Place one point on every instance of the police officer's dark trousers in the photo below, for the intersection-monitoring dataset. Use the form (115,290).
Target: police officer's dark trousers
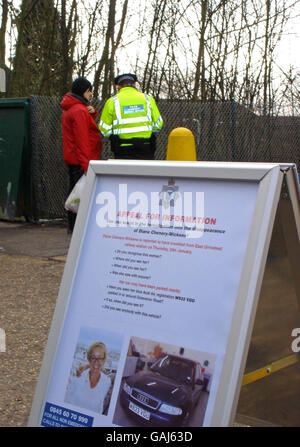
(134,148)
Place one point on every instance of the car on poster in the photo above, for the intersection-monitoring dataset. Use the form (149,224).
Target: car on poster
(167,394)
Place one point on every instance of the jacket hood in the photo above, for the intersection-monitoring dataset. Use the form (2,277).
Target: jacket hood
(70,99)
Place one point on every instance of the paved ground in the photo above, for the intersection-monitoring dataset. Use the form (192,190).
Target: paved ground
(31,266)
(276,398)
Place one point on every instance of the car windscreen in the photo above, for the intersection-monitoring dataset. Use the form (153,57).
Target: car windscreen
(173,368)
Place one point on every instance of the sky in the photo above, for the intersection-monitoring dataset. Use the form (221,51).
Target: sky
(288,50)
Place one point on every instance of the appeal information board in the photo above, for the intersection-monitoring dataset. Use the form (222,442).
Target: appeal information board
(150,302)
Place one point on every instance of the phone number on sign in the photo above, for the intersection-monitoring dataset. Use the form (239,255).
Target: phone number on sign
(68,414)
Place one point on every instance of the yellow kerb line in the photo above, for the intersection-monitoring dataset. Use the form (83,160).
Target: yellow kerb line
(269,369)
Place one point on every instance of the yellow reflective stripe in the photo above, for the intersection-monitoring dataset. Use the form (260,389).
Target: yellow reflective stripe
(105,126)
(121,120)
(138,119)
(157,122)
(105,129)
(117,109)
(145,119)
(148,107)
(132,129)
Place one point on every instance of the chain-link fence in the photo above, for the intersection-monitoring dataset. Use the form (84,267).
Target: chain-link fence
(223,131)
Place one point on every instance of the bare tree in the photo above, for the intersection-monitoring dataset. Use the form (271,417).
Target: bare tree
(106,62)
(68,28)
(208,50)
(289,100)
(37,65)
(3,28)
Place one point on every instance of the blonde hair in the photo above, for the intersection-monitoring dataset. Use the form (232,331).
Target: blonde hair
(97,344)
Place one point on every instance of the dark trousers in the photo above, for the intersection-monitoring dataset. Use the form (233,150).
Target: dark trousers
(75,172)
(139,149)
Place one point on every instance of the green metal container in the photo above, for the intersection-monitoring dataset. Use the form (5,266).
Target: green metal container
(15,178)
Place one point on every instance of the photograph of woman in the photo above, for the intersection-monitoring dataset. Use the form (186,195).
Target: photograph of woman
(91,385)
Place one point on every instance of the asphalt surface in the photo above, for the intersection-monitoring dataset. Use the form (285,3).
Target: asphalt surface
(32,259)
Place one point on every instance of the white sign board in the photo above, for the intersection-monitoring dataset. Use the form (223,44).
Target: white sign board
(158,296)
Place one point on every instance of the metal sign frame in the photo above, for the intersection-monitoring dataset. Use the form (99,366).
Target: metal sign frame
(268,177)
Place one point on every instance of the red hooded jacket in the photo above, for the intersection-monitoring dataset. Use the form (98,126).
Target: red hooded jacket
(81,136)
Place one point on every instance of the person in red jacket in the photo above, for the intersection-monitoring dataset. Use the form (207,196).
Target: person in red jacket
(81,136)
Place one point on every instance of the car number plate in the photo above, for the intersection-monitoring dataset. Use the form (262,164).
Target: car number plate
(140,411)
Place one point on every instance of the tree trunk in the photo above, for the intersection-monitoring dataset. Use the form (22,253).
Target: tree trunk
(200,66)
(3,31)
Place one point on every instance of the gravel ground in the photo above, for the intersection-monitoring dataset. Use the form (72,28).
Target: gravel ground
(31,266)
(29,287)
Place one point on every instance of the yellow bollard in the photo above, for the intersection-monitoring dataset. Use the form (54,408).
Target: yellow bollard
(181,145)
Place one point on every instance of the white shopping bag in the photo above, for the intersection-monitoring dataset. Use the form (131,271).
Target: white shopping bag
(73,201)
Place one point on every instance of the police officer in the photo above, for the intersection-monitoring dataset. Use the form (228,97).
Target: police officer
(130,119)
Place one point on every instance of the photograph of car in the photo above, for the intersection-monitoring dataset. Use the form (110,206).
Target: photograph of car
(165,395)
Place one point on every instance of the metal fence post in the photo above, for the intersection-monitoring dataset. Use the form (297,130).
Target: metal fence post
(34,156)
(233,130)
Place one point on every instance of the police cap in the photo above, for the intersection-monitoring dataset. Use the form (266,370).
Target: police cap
(125,77)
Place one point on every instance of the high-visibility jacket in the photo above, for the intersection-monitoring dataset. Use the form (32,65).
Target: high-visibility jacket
(130,114)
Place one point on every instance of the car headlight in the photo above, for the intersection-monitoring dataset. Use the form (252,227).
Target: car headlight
(126,388)
(169,409)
